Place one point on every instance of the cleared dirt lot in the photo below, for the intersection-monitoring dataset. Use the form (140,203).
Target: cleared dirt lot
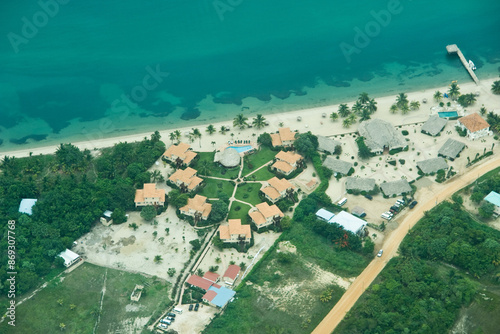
(120,247)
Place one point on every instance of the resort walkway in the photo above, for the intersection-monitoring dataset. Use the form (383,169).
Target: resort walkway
(391,246)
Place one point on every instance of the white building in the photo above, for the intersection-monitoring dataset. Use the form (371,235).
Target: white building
(475,125)
(69,257)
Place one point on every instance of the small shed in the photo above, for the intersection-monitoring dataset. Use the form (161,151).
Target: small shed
(337,166)
(26,205)
(69,257)
(434,125)
(358,211)
(324,214)
(451,149)
(395,187)
(432,165)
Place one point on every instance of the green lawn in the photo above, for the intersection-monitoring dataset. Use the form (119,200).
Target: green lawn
(263,155)
(249,192)
(216,170)
(241,213)
(82,288)
(213,188)
(262,174)
(263,307)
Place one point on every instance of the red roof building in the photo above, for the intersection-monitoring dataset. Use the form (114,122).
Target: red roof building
(199,282)
(212,277)
(231,274)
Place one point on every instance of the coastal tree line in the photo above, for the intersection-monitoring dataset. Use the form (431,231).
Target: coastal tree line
(73,188)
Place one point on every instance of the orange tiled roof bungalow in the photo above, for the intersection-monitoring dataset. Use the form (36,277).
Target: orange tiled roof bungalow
(234,232)
(149,195)
(186,178)
(285,137)
(181,151)
(286,162)
(475,125)
(197,205)
(277,189)
(264,214)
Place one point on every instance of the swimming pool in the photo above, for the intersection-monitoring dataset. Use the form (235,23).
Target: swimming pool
(447,114)
(241,149)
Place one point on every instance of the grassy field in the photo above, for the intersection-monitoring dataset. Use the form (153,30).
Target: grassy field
(262,174)
(254,161)
(242,213)
(75,299)
(281,296)
(213,188)
(249,192)
(215,169)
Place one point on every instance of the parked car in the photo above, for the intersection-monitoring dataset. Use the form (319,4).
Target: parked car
(370,197)
(380,252)
(170,319)
(165,321)
(170,314)
(412,204)
(190,307)
(162,326)
(196,307)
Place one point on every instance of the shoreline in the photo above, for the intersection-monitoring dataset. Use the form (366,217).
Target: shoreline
(312,120)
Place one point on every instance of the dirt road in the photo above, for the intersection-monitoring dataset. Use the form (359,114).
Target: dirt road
(391,245)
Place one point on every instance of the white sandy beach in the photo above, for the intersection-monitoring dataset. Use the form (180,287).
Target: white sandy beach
(312,120)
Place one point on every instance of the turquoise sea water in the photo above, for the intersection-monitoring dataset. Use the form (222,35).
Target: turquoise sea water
(65,79)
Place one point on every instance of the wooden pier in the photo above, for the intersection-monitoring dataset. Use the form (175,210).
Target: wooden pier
(453,48)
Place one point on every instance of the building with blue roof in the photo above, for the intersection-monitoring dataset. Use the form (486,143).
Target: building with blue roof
(218,295)
(494,198)
(27,205)
(324,214)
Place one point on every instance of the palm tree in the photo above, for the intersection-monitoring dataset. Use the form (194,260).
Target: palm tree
(344,110)
(334,116)
(211,129)
(363,98)
(454,90)
(223,130)
(196,134)
(483,110)
(414,105)
(172,137)
(158,259)
(372,106)
(240,121)
(346,123)
(357,107)
(393,109)
(178,135)
(401,100)
(438,96)
(352,118)
(156,175)
(259,121)
(205,167)
(470,98)
(405,109)
(495,87)
(365,114)
(62,326)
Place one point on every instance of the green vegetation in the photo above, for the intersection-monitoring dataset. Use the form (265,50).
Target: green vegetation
(466,100)
(240,121)
(254,161)
(419,292)
(148,213)
(73,190)
(494,122)
(238,211)
(363,151)
(262,174)
(495,87)
(484,185)
(306,144)
(75,301)
(249,192)
(215,169)
(213,188)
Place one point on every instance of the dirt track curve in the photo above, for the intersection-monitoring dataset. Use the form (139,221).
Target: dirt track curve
(391,245)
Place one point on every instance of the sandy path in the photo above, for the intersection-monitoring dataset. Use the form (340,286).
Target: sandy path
(363,281)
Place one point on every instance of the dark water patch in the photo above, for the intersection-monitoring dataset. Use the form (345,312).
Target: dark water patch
(59,104)
(25,139)
(281,94)
(191,113)
(1,142)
